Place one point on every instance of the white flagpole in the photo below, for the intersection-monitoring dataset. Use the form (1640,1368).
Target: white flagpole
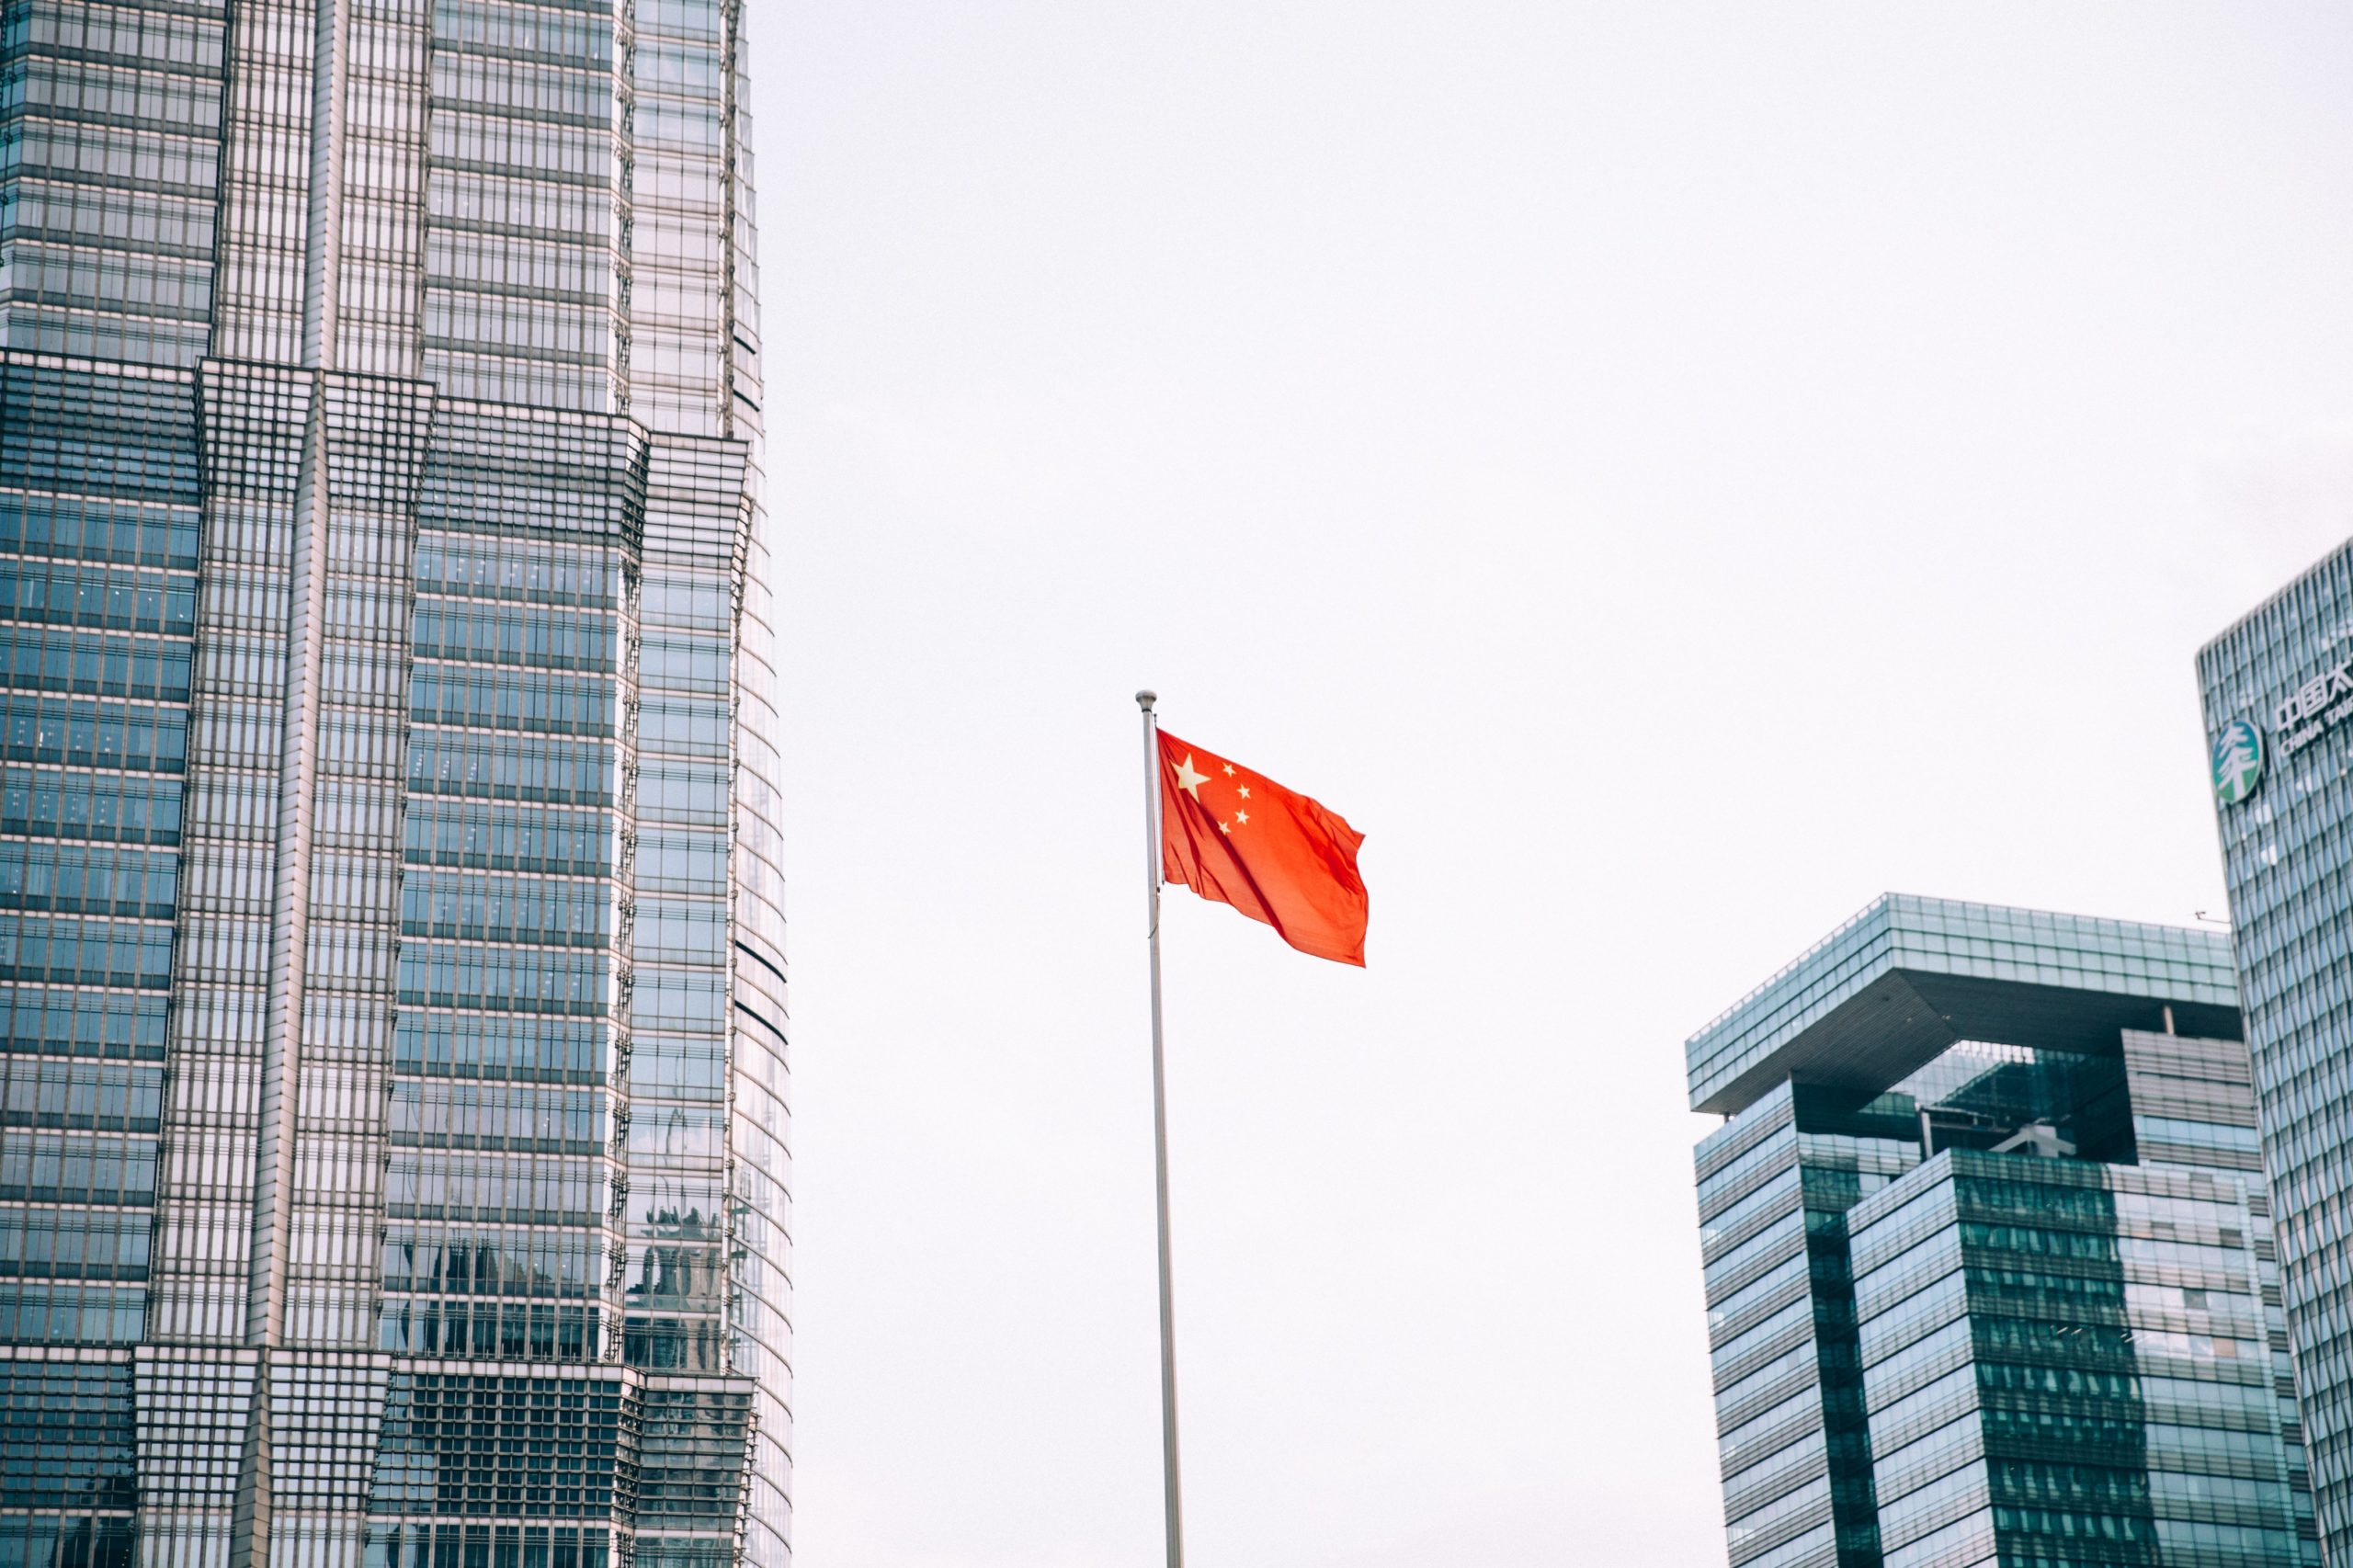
(1145,700)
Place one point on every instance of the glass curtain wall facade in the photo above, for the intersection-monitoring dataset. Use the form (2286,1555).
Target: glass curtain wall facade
(1989,1269)
(2274,687)
(393,1139)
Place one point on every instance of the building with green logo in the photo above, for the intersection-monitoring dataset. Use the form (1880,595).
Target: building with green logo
(2286,672)
(1988,1253)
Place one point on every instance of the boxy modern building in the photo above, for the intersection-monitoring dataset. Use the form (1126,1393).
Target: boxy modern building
(1988,1256)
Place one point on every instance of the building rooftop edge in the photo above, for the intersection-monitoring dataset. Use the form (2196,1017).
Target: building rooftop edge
(2001,957)
(2295,581)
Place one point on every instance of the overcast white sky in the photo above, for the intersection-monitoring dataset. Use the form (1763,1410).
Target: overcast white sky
(1666,473)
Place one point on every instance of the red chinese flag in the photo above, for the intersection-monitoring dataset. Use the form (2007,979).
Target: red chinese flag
(1242,839)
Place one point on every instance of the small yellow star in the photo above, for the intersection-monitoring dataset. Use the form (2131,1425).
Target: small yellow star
(1229,771)
(1242,816)
(1245,791)
(1225,830)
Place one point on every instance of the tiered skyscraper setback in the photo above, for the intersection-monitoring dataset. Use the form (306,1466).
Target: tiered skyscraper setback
(1988,1251)
(393,1065)
(2276,687)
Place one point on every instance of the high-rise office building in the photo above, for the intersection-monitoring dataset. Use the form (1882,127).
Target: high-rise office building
(2276,688)
(1988,1254)
(392,1095)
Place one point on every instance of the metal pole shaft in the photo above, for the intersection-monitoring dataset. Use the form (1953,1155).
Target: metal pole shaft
(1145,700)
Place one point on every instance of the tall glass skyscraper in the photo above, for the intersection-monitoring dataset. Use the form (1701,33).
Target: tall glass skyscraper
(1988,1254)
(393,1073)
(2276,687)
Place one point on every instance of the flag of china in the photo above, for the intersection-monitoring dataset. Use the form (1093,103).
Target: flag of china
(1241,838)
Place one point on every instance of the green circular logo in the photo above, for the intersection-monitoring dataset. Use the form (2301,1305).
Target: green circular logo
(2238,761)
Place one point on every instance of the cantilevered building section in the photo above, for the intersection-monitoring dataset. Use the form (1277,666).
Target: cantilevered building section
(1990,1276)
(393,1162)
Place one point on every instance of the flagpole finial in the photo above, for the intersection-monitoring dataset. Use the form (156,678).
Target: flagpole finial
(1145,700)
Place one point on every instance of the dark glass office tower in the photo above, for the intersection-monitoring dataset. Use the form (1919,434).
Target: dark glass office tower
(1989,1260)
(2276,689)
(392,1068)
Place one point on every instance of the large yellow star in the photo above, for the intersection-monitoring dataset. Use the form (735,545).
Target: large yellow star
(1189,780)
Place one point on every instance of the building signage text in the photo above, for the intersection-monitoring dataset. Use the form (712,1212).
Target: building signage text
(2317,707)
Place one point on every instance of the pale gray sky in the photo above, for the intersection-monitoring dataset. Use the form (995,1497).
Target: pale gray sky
(1666,473)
